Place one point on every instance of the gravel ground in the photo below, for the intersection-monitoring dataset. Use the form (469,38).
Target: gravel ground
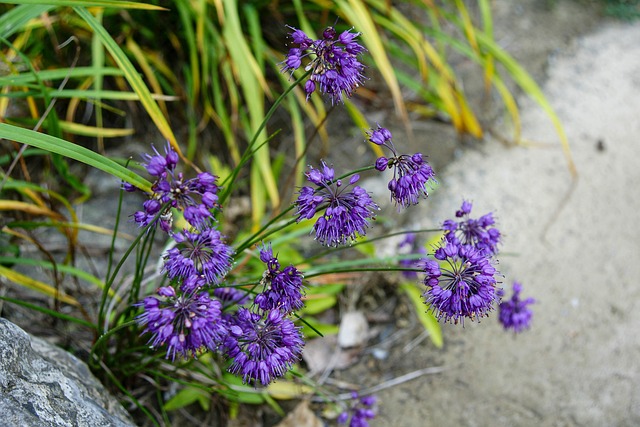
(574,244)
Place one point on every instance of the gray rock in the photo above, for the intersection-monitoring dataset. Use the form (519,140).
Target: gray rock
(42,385)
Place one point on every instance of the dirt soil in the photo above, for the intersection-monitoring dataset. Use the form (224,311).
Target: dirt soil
(572,242)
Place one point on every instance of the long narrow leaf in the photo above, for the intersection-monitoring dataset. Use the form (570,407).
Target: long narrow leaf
(36,285)
(427,318)
(57,74)
(120,4)
(62,268)
(72,151)
(18,17)
(132,77)
(532,89)
(52,313)
(358,14)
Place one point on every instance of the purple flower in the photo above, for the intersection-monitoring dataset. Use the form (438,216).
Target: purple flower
(332,60)
(411,173)
(514,314)
(187,322)
(462,285)
(282,289)
(348,207)
(263,346)
(409,246)
(201,254)
(195,197)
(360,411)
(477,232)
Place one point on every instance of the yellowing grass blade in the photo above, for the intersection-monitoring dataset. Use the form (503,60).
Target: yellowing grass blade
(532,89)
(94,131)
(358,14)
(469,29)
(119,4)
(427,319)
(72,151)
(36,285)
(12,205)
(148,72)
(469,120)
(132,77)
(511,106)
(287,390)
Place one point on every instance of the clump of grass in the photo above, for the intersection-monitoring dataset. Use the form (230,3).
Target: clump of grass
(173,280)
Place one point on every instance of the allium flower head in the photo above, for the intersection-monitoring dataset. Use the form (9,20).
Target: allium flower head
(263,346)
(187,322)
(201,254)
(462,285)
(360,412)
(514,313)
(282,288)
(477,232)
(332,60)
(348,207)
(195,197)
(411,173)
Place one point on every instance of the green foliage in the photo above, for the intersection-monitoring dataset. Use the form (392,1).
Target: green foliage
(628,10)
(212,68)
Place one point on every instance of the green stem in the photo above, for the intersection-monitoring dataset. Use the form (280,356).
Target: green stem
(373,239)
(112,278)
(356,270)
(247,153)
(106,336)
(362,169)
(255,236)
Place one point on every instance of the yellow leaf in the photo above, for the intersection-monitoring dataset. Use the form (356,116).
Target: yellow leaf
(286,390)
(36,285)
(11,205)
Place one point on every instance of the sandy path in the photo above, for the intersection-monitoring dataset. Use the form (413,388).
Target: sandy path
(580,363)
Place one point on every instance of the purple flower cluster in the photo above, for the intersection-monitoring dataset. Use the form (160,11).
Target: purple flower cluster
(186,322)
(411,173)
(361,411)
(514,313)
(462,285)
(348,208)
(282,288)
(195,197)
(468,231)
(263,345)
(333,62)
(201,254)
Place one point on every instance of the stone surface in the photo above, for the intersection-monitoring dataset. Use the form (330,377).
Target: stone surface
(42,385)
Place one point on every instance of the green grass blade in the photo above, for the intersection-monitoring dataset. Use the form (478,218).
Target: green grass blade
(38,286)
(72,151)
(132,76)
(62,268)
(251,80)
(425,316)
(18,17)
(49,312)
(57,74)
(531,88)
(120,4)
(358,14)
